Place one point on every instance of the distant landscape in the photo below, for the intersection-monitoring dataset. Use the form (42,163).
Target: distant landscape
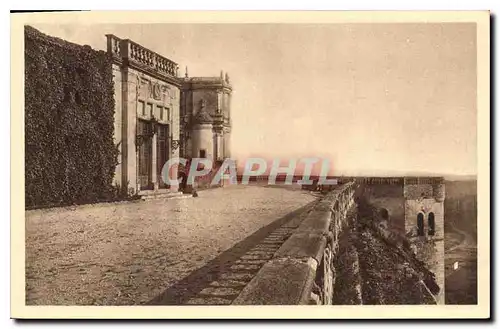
(460,208)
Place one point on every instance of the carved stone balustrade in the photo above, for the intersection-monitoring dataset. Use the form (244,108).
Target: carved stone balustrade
(125,51)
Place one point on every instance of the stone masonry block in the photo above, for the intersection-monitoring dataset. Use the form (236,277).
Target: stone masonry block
(324,205)
(302,245)
(316,221)
(294,222)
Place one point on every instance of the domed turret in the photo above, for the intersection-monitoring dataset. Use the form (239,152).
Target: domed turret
(203,117)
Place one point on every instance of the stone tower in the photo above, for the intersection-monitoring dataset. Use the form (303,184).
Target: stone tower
(424,223)
(205,117)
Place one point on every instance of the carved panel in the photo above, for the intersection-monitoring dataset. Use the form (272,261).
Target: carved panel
(161,92)
(142,88)
(156,91)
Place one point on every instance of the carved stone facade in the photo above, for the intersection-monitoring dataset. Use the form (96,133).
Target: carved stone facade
(147,95)
(160,116)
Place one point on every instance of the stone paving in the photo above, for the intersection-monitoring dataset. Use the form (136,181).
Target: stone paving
(229,285)
(157,251)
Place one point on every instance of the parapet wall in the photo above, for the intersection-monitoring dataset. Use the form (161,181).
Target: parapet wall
(302,271)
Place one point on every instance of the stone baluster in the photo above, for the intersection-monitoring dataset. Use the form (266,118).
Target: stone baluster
(158,63)
(138,53)
(133,51)
(162,65)
(116,48)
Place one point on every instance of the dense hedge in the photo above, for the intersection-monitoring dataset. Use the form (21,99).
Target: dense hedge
(69,107)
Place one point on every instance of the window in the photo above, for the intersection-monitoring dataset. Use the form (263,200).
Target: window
(78,98)
(160,109)
(420,224)
(167,113)
(203,154)
(67,94)
(150,109)
(142,108)
(432,224)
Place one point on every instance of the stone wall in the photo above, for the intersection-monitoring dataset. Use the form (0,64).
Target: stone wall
(419,260)
(416,196)
(302,271)
(319,264)
(425,207)
(202,138)
(414,191)
(389,197)
(117,132)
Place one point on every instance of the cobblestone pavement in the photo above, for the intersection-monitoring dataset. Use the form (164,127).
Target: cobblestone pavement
(158,251)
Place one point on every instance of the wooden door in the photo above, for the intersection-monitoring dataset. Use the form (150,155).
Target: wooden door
(144,131)
(162,152)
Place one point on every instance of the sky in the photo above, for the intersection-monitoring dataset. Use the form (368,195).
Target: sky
(373,98)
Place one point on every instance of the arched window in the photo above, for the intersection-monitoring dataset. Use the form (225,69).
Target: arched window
(420,224)
(384,213)
(432,224)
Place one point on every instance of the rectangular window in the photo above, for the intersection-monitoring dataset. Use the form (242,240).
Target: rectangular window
(203,154)
(142,108)
(150,109)
(160,110)
(167,114)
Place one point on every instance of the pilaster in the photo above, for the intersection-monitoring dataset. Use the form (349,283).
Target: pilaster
(154,162)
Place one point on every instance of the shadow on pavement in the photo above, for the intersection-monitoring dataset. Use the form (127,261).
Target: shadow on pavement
(195,282)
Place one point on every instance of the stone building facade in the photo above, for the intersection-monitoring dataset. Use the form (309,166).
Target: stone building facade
(424,223)
(205,112)
(160,116)
(414,207)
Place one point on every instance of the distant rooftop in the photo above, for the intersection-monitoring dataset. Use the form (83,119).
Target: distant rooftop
(223,79)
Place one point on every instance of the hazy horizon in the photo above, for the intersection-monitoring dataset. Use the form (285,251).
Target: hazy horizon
(370,97)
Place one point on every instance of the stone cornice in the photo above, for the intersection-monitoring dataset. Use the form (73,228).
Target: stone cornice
(206,83)
(154,73)
(191,86)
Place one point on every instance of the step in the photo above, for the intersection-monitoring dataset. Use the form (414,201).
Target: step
(159,191)
(163,195)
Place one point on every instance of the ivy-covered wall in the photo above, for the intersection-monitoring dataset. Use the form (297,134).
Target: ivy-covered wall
(70,156)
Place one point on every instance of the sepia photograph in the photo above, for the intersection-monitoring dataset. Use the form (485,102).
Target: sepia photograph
(312,162)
